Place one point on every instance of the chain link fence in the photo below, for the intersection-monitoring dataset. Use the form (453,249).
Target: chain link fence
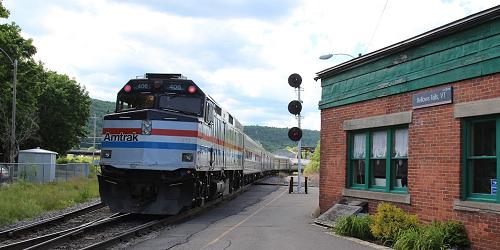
(43,173)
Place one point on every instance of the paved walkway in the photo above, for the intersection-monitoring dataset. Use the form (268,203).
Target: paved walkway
(264,217)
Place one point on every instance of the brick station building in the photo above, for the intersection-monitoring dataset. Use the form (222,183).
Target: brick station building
(417,124)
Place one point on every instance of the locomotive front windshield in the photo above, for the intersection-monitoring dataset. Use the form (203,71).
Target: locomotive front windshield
(135,101)
(184,104)
(191,105)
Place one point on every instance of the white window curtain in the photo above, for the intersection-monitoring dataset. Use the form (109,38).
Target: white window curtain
(401,142)
(359,146)
(379,144)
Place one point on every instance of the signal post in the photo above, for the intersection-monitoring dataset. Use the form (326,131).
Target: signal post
(295,133)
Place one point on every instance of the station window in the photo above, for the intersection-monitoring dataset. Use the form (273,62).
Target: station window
(378,159)
(481,165)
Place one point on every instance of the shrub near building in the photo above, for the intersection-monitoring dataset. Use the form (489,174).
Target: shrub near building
(393,227)
(389,221)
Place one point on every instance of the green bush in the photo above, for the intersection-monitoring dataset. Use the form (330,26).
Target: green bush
(455,234)
(408,239)
(438,235)
(313,166)
(390,221)
(393,226)
(74,159)
(354,226)
(428,237)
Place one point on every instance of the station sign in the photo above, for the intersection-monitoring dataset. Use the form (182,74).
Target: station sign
(433,98)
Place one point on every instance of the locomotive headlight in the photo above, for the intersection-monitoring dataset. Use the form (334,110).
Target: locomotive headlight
(187,157)
(146,127)
(105,153)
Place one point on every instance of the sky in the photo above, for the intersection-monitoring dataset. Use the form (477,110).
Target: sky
(240,52)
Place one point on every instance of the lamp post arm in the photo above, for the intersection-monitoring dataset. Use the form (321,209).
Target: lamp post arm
(342,54)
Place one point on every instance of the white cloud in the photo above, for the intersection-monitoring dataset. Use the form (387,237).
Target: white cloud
(243,63)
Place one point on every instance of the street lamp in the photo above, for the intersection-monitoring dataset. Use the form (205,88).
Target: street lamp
(328,56)
(13,129)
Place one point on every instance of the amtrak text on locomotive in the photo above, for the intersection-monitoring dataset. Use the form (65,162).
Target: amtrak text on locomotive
(121,137)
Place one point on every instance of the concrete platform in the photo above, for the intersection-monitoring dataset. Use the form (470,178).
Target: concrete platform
(264,217)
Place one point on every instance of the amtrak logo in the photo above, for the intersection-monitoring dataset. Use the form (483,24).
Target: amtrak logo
(121,137)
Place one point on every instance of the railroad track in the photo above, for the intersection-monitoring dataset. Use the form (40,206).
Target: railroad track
(15,232)
(89,233)
(163,222)
(108,231)
(48,228)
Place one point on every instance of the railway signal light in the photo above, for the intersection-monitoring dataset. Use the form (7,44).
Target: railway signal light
(294,107)
(295,134)
(294,80)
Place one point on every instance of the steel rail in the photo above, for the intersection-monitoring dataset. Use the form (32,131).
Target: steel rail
(44,238)
(147,227)
(68,236)
(36,225)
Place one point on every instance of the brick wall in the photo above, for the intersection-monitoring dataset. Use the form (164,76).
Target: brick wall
(434,156)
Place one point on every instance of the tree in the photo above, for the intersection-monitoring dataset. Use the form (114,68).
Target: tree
(29,75)
(51,108)
(4,13)
(64,108)
(313,166)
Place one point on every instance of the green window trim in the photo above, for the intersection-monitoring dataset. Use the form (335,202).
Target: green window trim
(390,173)
(467,157)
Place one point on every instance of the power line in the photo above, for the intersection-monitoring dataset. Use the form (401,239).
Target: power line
(376,27)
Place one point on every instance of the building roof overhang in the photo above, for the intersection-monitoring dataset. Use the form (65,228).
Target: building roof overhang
(445,30)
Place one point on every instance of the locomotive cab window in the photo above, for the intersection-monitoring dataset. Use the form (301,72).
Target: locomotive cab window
(209,112)
(184,104)
(135,101)
(218,110)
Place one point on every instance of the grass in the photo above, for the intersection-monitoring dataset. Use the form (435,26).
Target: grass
(24,200)
(354,226)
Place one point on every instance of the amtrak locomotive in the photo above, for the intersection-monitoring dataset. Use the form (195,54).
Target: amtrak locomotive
(168,146)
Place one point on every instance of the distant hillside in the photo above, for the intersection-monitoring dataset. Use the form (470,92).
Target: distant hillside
(271,138)
(98,108)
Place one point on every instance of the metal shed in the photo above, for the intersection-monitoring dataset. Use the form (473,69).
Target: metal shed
(37,165)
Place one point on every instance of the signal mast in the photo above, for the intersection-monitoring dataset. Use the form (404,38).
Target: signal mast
(295,133)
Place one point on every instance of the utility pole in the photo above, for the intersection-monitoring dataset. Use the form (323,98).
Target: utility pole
(93,151)
(14,97)
(13,146)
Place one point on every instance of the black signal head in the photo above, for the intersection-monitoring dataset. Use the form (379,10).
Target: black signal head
(294,107)
(295,134)
(294,80)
